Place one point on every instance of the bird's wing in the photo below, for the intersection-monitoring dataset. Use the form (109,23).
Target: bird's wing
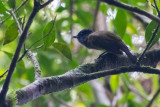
(110,36)
(107,42)
(110,42)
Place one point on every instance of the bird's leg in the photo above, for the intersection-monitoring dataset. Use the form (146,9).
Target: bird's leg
(102,54)
(108,56)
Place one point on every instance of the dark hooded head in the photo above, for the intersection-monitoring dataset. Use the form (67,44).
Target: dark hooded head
(82,35)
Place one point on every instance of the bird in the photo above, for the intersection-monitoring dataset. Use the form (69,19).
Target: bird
(104,40)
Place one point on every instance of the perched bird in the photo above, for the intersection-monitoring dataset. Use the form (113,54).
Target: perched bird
(104,40)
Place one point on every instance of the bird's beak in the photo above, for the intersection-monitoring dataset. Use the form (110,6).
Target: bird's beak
(74,36)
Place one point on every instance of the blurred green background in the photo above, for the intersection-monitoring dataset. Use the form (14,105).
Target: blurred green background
(129,89)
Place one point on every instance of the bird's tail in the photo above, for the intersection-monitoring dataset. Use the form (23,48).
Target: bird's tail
(129,54)
(131,57)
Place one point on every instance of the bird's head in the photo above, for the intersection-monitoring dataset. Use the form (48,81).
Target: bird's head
(82,35)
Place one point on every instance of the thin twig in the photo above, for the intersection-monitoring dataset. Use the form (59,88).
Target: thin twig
(30,54)
(35,63)
(154,97)
(46,34)
(3,74)
(156,8)
(95,14)
(24,53)
(71,20)
(148,45)
(124,69)
(1,23)
(140,19)
(20,6)
(20,30)
(132,9)
(23,23)
(134,90)
(152,5)
(17,22)
(26,50)
(45,4)
(153,36)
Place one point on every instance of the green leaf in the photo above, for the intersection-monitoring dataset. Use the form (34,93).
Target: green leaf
(10,55)
(64,49)
(49,33)
(86,89)
(131,96)
(20,67)
(114,81)
(11,33)
(60,9)
(2,9)
(131,28)
(120,22)
(132,103)
(103,8)
(101,105)
(127,39)
(149,32)
(12,3)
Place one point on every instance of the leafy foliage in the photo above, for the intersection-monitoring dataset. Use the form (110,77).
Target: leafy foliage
(11,33)
(64,49)
(49,33)
(57,37)
(12,3)
(149,32)
(120,22)
(114,82)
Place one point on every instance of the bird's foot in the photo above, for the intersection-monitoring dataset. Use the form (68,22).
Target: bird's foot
(102,54)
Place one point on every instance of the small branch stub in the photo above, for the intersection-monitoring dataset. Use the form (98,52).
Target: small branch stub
(32,56)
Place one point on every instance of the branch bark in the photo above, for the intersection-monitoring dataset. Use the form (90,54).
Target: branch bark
(108,65)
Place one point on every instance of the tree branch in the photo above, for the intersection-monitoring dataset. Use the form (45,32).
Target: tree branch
(3,74)
(154,97)
(71,14)
(22,38)
(35,63)
(95,15)
(140,19)
(71,79)
(108,65)
(45,4)
(30,54)
(132,9)
(155,4)
(16,20)
(16,55)
(149,43)
(153,36)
